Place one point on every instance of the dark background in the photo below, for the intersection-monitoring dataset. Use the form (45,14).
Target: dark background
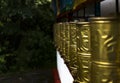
(26,35)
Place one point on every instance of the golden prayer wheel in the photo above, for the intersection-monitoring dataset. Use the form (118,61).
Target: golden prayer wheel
(105,66)
(73,49)
(83,52)
(67,43)
(63,40)
(58,35)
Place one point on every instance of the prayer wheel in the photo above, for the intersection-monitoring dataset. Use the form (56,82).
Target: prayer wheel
(105,45)
(73,49)
(83,52)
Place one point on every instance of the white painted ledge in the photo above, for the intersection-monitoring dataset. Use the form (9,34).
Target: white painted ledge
(64,73)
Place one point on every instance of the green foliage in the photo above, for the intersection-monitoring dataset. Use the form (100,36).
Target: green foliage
(25,34)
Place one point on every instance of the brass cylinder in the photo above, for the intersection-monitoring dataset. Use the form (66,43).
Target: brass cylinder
(83,52)
(104,48)
(104,39)
(73,49)
(67,43)
(58,40)
(63,40)
(56,35)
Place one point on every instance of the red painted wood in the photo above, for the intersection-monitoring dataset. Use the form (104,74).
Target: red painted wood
(56,76)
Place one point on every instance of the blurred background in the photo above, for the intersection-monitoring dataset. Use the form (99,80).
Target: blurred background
(26,35)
